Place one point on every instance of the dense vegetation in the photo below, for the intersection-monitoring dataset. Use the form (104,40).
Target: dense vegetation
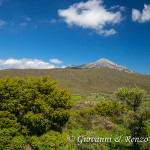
(36,114)
(100,115)
(86,80)
(30,108)
(136,121)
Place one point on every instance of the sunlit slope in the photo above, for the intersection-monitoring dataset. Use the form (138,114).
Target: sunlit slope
(86,80)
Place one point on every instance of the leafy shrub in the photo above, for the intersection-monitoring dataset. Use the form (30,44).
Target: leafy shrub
(9,128)
(8,120)
(136,122)
(51,140)
(31,106)
(89,146)
(133,97)
(17,143)
(111,112)
(109,109)
(37,103)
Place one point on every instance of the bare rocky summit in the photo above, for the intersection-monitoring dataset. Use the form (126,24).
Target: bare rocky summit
(102,63)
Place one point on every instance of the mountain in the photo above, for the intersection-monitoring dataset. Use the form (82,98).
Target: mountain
(102,63)
(93,80)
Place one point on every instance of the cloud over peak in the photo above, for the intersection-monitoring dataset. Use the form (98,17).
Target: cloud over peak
(143,16)
(91,14)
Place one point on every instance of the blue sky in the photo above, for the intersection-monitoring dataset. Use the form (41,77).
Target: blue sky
(49,34)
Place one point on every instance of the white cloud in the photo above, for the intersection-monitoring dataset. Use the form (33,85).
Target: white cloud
(91,14)
(121,8)
(25,63)
(143,16)
(53,21)
(107,32)
(135,14)
(23,24)
(27,18)
(56,61)
(63,66)
(2,23)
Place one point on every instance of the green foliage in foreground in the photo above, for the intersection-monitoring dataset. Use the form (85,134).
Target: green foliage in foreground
(136,122)
(133,97)
(31,107)
(105,109)
(104,114)
(51,140)
(36,115)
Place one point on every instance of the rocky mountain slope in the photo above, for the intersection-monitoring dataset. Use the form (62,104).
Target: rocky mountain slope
(102,63)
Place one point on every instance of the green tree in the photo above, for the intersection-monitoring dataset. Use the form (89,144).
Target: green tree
(133,97)
(136,121)
(32,106)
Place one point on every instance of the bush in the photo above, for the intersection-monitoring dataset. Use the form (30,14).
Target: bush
(133,97)
(17,143)
(51,140)
(136,122)
(92,118)
(109,109)
(9,128)
(31,106)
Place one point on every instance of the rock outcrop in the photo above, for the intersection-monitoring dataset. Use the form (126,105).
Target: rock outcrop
(102,63)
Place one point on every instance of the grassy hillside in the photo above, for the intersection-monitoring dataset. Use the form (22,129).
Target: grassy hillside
(31,112)
(86,80)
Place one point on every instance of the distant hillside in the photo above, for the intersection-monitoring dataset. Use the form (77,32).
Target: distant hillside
(86,80)
(102,63)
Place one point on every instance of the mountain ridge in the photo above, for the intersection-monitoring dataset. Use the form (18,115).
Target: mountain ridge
(102,63)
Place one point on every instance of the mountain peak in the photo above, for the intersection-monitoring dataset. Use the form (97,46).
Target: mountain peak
(103,60)
(103,63)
